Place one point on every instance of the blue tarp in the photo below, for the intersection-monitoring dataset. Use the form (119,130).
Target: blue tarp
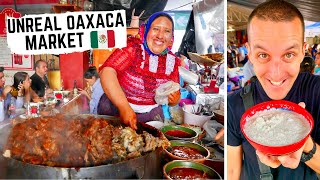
(315,25)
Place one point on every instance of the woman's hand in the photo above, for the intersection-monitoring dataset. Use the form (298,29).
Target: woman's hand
(85,92)
(128,117)
(174,98)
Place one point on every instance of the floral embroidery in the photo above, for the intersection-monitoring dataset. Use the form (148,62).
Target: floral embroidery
(153,63)
(143,57)
(170,61)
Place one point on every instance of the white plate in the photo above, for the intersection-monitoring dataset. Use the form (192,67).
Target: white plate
(23,116)
(20,111)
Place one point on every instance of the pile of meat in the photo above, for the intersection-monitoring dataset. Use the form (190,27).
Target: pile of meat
(72,141)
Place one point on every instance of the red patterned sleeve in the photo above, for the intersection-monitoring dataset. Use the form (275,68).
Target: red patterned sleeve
(122,58)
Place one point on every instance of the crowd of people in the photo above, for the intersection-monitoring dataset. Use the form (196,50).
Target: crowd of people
(25,88)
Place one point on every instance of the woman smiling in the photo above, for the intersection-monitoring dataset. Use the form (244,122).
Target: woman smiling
(130,75)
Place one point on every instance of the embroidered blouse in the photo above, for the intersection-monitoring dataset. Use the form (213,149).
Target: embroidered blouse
(139,73)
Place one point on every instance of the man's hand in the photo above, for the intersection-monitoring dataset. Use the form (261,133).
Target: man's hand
(128,117)
(174,98)
(6,90)
(291,160)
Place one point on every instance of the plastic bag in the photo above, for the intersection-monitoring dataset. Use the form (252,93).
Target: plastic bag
(212,128)
(176,114)
(163,91)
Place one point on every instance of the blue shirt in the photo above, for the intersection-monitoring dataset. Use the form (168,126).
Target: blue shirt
(18,103)
(305,89)
(6,101)
(97,92)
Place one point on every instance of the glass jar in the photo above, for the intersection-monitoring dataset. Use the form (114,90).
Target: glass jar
(63,1)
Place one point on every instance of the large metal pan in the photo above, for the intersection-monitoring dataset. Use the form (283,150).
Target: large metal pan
(146,166)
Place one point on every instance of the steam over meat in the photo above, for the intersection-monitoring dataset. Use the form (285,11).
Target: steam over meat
(57,141)
(71,141)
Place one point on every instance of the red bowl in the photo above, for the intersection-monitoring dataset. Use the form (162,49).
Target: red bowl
(278,104)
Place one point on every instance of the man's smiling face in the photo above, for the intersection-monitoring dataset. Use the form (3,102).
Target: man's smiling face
(276,51)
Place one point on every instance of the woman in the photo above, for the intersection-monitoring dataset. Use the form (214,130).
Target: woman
(130,75)
(20,90)
(91,76)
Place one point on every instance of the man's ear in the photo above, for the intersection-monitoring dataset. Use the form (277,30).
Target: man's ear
(249,51)
(304,47)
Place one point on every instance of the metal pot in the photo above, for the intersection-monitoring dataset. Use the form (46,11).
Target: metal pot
(146,166)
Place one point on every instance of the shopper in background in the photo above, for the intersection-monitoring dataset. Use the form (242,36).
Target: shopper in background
(248,73)
(6,99)
(94,91)
(243,54)
(307,65)
(19,92)
(276,49)
(40,84)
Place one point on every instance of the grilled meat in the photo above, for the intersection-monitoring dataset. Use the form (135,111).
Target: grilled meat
(73,141)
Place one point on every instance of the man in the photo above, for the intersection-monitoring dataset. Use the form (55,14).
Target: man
(276,49)
(40,83)
(243,54)
(248,73)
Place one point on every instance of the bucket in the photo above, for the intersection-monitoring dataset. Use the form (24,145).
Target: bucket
(190,118)
(184,93)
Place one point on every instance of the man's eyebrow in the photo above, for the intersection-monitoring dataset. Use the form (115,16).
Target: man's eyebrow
(258,46)
(293,46)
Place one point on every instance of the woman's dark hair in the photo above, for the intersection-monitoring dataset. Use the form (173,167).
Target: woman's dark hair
(315,46)
(307,65)
(91,72)
(19,77)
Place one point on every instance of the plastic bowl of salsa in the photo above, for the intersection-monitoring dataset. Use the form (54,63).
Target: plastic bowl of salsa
(180,169)
(299,115)
(179,133)
(183,150)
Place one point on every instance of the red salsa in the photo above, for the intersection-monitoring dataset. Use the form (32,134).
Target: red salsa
(178,133)
(186,152)
(187,173)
